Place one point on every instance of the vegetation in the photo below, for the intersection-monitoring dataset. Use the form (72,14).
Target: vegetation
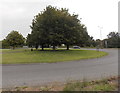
(103,85)
(113,40)
(96,85)
(13,39)
(54,27)
(48,56)
(5,44)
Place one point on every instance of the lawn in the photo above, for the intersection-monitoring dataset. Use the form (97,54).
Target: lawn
(48,56)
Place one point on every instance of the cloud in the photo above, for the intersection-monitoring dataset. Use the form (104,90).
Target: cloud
(18,14)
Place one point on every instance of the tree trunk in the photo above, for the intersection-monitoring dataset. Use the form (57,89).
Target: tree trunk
(67,47)
(31,49)
(13,47)
(42,47)
(36,47)
(53,47)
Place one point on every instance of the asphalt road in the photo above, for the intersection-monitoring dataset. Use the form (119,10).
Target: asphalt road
(42,73)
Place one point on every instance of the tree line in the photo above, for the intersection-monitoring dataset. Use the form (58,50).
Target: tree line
(113,40)
(53,27)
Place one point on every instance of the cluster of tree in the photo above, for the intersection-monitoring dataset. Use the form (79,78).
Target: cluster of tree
(113,40)
(53,27)
(13,39)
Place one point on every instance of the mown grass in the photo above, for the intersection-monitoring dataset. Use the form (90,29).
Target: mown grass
(47,56)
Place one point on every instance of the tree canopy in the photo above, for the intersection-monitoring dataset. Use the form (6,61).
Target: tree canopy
(113,40)
(55,27)
(14,39)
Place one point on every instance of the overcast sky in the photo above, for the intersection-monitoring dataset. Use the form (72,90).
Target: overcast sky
(18,14)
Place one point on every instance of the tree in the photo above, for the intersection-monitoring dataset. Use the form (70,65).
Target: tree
(98,43)
(113,40)
(15,39)
(55,27)
(5,44)
(90,42)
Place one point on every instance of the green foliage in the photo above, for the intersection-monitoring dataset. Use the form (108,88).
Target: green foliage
(55,27)
(14,39)
(5,44)
(90,42)
(0,44)
(113,40)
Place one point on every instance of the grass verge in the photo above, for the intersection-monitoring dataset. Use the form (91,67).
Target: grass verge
(105,84)
(19,56)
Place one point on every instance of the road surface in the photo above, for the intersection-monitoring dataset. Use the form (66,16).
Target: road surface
(43,73)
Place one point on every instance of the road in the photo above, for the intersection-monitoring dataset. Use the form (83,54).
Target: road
(43,73)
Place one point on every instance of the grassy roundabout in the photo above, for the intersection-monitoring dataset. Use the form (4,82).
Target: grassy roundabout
(20,56)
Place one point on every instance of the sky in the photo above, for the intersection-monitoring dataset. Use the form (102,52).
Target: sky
(99,16)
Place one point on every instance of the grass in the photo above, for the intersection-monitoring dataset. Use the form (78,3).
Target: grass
(48,56)
(104,84)
(97,85)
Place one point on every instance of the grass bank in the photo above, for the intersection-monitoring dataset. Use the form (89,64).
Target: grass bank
(19,56)
(104,84)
